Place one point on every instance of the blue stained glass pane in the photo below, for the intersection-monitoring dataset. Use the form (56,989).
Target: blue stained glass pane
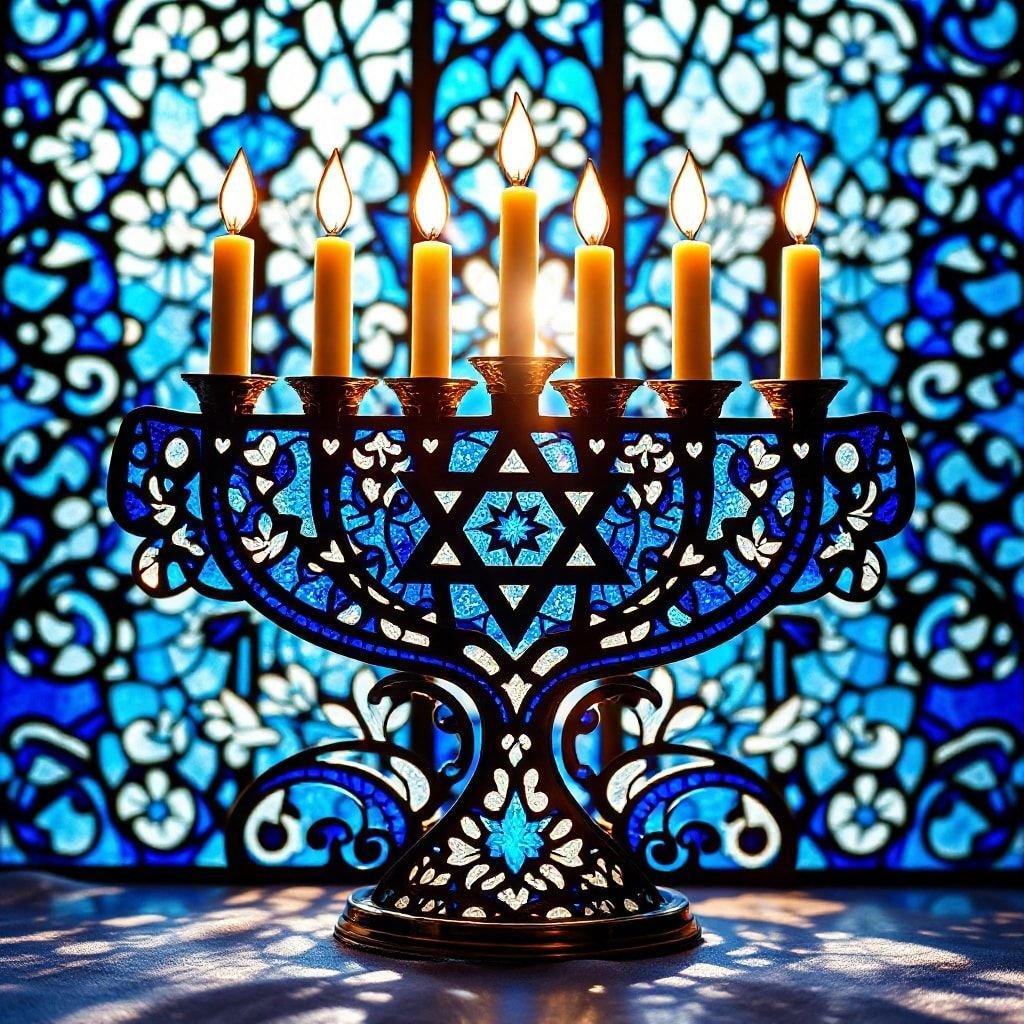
(128,724)
(121,713)
(921,278)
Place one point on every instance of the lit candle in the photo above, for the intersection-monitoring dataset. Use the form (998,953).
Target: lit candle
(519,236)
(431,279)
(801,280)
(691,278)
(231,312)
(595,280)
(332,275)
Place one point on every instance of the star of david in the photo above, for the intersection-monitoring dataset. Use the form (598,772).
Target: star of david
(514,593)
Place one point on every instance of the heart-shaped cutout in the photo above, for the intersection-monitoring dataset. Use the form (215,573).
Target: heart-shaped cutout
(514,899)
(222,444)
(331,446)
(694,448)
(430,444)
(801,450)
(263,452)
(597,445)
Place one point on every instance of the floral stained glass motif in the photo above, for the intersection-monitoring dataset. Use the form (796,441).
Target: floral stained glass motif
(514,838)
(128,725)
(895,732)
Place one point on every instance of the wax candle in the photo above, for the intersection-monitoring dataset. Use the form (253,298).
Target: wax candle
(332,275)
(431,279)
(519,234)
(231,310)
(801,280)
(691,277)
(595,280)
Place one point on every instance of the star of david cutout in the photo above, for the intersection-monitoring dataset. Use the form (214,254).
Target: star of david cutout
(513,528)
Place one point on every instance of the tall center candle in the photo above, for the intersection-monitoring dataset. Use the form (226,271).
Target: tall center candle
(519,236)
(233,260)
(801,280)
(595,280)
(431,354)
(691,278)
(332,275)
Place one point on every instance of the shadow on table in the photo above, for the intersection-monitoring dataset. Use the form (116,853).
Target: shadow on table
(76,952)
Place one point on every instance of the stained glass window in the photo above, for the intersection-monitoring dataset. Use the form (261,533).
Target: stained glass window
(895,729)
(128,725)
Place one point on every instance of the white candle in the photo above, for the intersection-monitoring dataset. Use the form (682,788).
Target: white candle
(332,275)
(233,264)
(519,236)
(801,281)
(431,343)
(691,278)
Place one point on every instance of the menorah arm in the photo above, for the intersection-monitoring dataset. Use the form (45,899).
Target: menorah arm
(153,492)
(869,494)
(318,532)
(788,518)
(224,508)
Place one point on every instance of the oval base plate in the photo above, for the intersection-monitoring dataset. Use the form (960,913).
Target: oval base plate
(670,928)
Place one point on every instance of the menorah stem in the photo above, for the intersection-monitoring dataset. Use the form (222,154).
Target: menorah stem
(517,849)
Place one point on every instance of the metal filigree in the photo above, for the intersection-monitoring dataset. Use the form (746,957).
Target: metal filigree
(601,398)
(699,401)
(430,397)
(227,394)
(517,557)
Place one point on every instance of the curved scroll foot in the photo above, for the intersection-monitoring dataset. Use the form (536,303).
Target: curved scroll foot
(367,926)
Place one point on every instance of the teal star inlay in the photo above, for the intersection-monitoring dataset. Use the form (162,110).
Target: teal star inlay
(515,838)
(513,529)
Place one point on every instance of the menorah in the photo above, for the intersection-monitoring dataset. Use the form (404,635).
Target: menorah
(518,570)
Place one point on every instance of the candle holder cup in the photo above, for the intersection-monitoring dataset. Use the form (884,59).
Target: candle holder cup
(430,398)
(331,399)
(696,401)
(800,404)
(516,382)
(535,564)
(596,398)
(227,395)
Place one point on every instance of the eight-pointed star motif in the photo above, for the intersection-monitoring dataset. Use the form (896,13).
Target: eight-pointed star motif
(515,838)
(513,529)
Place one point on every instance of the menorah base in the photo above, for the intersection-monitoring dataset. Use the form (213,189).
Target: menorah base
(669,929)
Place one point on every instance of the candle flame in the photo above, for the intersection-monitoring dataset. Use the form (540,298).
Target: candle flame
(238,194)
(689,199)
(590,208)
(333,196)
(430,206)
(517,147)
(799,204)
